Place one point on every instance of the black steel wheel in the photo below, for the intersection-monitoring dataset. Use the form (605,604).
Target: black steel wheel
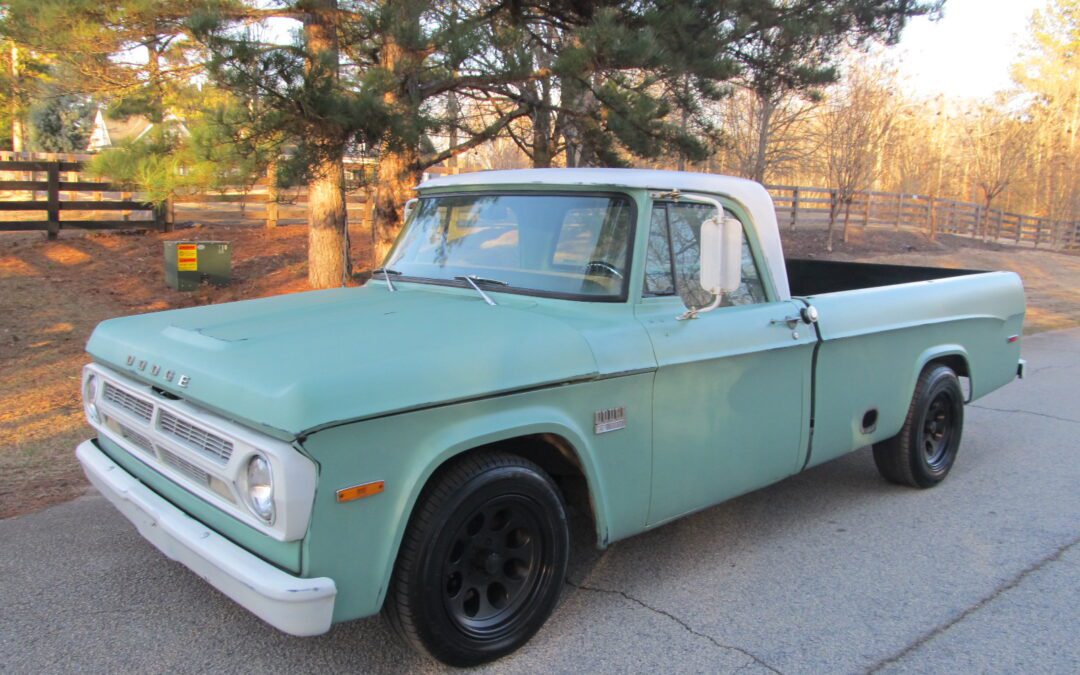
(483,560)
(938,429)
(924,451)
(496,563)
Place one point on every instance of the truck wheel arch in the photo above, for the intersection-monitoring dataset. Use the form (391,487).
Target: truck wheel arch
(557,449)
(953,356)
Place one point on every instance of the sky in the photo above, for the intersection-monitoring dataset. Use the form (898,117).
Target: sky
(966,54)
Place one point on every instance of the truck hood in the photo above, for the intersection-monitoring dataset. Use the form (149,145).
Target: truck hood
(289,364)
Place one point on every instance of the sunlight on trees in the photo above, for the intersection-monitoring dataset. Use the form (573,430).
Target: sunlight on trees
(792,91)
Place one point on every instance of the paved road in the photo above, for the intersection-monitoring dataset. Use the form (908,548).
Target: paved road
(830,571)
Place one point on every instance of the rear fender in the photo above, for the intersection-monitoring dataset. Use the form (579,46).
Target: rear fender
(948,353)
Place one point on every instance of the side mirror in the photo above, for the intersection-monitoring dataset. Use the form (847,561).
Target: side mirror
(410,206)
(721,255)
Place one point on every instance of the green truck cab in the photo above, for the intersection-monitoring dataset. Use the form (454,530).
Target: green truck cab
(630,345)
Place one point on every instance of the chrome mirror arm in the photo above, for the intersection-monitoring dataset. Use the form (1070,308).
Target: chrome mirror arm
(693,312)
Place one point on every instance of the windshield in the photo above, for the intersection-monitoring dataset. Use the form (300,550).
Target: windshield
(545,244)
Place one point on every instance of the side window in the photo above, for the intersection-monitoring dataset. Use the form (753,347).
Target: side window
(681,250)
(658,275)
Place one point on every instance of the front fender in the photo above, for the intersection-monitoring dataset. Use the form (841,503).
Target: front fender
(356,543)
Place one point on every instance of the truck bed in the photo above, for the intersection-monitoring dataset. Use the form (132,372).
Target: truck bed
(815,277)
(880,324)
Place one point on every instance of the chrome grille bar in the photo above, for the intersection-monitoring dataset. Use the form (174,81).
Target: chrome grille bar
(184,466)
(125,401)
(136,438)
(212,445)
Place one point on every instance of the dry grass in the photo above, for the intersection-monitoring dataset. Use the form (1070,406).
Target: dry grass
(52,294)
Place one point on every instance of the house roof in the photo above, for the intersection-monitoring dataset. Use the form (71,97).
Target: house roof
(110,132)
(129,128)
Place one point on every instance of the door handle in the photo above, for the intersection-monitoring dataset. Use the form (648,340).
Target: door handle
(807,315)
(790,321)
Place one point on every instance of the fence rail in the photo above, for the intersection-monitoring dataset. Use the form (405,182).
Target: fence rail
(53,188)
(798,206)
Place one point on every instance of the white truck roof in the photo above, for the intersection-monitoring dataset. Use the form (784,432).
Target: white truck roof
(752,196)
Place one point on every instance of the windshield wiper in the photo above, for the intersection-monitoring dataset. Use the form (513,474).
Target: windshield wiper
(474,281)
(386,272)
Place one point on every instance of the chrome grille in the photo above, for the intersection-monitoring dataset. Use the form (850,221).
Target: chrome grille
(184,466)
(211,444)
(125,401)
(136,439)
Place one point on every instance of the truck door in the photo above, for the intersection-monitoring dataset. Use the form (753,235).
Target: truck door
(731,395)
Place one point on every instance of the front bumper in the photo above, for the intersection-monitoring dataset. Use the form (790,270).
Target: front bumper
(291,604)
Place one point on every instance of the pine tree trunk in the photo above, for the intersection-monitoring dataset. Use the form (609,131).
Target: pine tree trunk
(17,131)
(453,111)
(328,261)
(541,130)
(271,194)
(542,116)
(396,178)
(398,172)
(328,234)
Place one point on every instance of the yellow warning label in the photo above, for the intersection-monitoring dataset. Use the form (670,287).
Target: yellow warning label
(187,258)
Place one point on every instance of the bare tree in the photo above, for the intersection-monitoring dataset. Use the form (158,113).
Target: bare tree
(766,137)
(995,144)
(854,126)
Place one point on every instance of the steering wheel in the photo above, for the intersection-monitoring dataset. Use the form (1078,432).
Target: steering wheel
(611,270)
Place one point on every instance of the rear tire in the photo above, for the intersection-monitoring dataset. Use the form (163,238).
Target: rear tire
(924,451)
(483,560)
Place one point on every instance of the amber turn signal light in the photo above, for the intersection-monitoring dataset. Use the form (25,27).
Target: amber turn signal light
(355,492)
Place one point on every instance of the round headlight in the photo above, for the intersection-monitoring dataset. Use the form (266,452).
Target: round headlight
(90,399)
(260,488)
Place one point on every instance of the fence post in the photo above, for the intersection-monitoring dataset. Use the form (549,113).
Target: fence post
(899,210)
(54,200)
(163,215)
(794,207)
(866,210)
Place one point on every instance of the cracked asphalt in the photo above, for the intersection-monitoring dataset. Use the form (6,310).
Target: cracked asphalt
(829,571)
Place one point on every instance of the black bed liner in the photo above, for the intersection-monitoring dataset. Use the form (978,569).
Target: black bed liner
(814,277)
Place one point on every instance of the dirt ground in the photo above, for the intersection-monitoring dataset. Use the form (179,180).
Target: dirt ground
(52,294)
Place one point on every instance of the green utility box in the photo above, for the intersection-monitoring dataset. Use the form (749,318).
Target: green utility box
(189,263)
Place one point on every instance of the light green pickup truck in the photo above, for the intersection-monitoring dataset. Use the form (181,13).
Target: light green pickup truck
(628,345)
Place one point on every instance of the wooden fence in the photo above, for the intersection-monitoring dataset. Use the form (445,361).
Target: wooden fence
(56,176)
(55,179)
(253,206)
(802,207)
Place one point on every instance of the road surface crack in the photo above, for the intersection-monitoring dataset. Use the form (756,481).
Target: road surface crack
(1024,412)
(1053,556)
(754,658)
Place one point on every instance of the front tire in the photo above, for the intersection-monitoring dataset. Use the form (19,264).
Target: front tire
(924,451)
(482,562)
